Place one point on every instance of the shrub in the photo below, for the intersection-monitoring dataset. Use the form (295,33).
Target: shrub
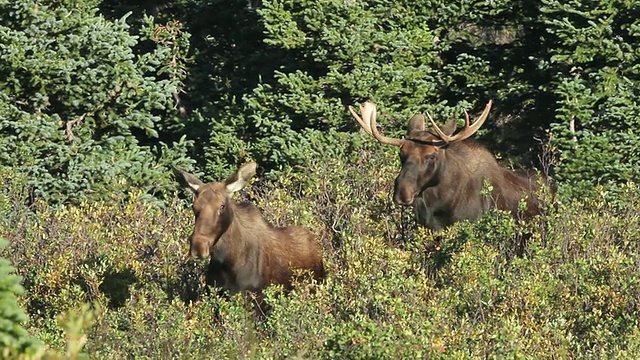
(392,291)
(15,341)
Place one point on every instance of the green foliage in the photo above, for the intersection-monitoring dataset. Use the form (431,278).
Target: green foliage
(229,60)
(87,115)
(547,64)
(270,81)
(15,341)
(594,62)
(325,55)
(80,110)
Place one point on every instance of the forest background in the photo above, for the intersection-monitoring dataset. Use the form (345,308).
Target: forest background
(98,100)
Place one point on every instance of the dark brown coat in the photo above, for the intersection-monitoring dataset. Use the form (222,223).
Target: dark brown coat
(445,177)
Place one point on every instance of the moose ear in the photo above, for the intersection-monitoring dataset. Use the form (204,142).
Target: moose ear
(416,123)
(450,127)
(188,180)
(240,178)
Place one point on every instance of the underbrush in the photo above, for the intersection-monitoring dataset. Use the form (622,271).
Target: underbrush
(113,278)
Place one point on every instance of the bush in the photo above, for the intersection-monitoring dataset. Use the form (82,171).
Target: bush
(15,341)
(392,291)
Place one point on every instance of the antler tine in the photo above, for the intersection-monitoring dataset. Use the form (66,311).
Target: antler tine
(363,124)
(368,122)
(468,129)
(466,119)
(441,134)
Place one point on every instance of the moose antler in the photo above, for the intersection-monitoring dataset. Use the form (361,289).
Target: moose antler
(468,130)
(368,123)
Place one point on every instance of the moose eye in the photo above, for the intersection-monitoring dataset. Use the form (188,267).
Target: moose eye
(221,208)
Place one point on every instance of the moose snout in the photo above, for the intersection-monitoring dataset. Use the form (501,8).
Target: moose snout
(404,195)
(403,200)
(199,247)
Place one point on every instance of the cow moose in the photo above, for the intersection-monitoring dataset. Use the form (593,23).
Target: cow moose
(247,253)
(443,174)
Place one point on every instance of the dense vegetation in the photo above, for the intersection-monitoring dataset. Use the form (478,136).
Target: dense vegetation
(392,291)
(99,99)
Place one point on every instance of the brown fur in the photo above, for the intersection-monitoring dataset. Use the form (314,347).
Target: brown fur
(247,253)
(444,183)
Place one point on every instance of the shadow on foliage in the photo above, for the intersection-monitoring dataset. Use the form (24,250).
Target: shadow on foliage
(435,251)
(188,285)
(115,286)
(434,254)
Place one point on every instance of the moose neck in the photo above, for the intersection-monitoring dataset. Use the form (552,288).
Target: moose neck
(454,166)
(458,161)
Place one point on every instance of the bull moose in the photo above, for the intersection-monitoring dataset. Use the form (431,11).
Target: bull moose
(444,174)
(247,253)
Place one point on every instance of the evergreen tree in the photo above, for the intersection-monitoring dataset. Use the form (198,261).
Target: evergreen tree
(326,55)
(80,111)
(594,60)
(271,80)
